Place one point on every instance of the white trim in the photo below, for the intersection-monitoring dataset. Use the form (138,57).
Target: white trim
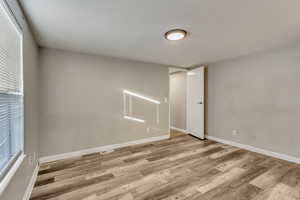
(257,150)
(11,172)
(179,129)
(101,149)
(31,183)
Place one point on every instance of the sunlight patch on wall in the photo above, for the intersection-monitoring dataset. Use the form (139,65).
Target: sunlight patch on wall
(134,119)
(128,106)
(141,96)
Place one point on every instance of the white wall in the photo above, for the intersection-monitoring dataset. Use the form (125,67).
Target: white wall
(259,96)
(19,183)
(178,100)
(82,101)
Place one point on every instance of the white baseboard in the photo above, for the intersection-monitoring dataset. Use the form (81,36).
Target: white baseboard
(31,183)
(178,129)
(257,150)
(100,149)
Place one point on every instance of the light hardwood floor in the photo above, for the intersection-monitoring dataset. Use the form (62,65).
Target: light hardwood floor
(181,167)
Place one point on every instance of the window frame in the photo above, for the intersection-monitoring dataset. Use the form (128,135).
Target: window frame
(16,161)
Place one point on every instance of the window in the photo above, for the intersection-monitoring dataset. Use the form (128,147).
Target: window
(11,93)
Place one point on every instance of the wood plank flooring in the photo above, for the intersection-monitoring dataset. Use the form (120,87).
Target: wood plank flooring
(179,168)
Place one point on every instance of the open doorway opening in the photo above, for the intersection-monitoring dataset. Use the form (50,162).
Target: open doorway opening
(187,103)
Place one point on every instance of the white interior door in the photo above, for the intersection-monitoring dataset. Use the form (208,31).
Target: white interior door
(195,102)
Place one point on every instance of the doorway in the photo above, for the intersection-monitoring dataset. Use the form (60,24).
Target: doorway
(187,101)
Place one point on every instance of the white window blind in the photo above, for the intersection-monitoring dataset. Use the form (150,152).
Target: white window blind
(11,91)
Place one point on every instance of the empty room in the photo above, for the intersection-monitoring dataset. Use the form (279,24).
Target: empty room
(149,100)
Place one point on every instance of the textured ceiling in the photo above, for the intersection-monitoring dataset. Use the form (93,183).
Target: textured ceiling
(134,29)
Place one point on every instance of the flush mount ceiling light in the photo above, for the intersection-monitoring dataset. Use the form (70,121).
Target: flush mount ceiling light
(175,34)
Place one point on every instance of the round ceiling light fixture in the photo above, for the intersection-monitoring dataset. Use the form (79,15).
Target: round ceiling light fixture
(175,34)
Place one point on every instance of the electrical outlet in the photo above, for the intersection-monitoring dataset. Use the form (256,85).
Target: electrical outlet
(234,132)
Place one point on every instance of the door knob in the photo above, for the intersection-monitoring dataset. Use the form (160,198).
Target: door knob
(200,102)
